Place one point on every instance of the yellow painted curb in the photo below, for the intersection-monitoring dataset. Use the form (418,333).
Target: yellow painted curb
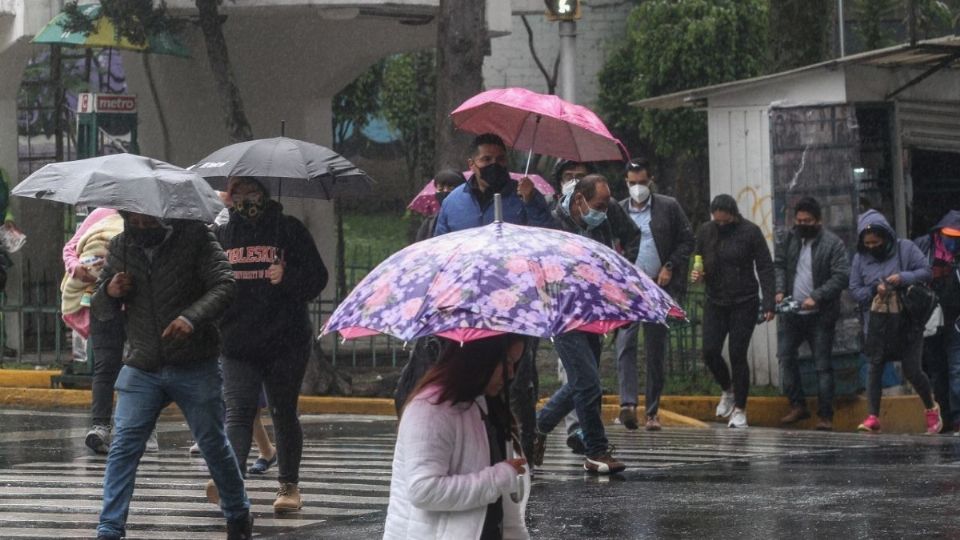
(45,398)
(346,405)
(26,378)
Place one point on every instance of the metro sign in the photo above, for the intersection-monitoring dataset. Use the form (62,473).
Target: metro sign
(563,10)
(106,103)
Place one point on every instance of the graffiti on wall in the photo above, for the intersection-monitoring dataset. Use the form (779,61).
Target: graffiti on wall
(758,208)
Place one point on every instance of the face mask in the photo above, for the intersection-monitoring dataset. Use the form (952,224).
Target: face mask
(146,237)
(951,244)
(807,231)
(639,193)
(249,207)
(568,188)
(593,218)
(440,196)
(496,176)
(725,227)
(878,252)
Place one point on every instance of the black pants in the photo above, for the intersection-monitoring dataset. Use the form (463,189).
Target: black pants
(524,393)
(738,322)
(106,338)
(281,377)
(910,359)
(937,367)
(817,330)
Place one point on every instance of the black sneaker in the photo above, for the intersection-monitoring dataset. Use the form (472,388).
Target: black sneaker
(539,449)
(575,443)
(603,464)
(628,417)
(240,529)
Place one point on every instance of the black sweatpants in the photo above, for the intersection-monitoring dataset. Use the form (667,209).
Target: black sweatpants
(280,377)
(737,322)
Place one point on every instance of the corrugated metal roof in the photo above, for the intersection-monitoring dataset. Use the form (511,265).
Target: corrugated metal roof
(924,54)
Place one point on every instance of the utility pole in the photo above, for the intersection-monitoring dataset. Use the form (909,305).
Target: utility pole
(567,12)
(843,51)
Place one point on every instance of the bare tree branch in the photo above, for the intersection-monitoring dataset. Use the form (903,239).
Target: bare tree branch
(551,80)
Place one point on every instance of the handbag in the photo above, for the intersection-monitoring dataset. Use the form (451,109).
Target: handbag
(886,327)
(918,300)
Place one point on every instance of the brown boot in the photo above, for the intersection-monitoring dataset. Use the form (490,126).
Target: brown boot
(213,495)
(824,424)
(796,414)
(288,498)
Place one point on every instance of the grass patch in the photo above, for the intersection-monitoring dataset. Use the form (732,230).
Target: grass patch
(374,237)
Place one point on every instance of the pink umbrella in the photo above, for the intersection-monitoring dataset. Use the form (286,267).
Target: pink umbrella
(426,204)
(539,123)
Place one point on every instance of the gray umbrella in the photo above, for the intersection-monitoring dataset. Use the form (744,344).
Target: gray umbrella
(125,182)
(287,167)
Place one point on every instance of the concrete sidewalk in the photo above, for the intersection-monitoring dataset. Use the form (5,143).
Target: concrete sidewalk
(898,414)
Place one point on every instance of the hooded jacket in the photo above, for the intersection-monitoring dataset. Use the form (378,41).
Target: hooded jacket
(867,271)
(186,276)
(732,260)
(266,318)
(463,209)
(946,281)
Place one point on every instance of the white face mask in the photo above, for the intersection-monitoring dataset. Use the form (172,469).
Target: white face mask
(567,189)
(639,193)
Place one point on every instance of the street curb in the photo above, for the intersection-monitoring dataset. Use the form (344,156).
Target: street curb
(898,414)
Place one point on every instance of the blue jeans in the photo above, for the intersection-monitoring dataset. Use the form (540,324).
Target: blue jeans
(817,330)
(142,396)
(581,393)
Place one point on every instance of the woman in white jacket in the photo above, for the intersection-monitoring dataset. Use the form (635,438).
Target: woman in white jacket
(451,478)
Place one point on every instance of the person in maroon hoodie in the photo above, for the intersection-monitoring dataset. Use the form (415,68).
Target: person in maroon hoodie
(266,330)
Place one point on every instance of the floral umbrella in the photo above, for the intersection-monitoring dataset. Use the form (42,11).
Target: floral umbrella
(426,203)
(501,278)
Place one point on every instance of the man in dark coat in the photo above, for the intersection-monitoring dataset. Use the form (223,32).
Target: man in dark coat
(666,241)
(171,283)
(811,266)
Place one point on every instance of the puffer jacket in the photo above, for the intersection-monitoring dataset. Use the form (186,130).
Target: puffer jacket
(732,261)
(188,276)
(442,479)
(831,269)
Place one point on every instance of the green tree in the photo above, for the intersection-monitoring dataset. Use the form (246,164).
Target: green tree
(408,99)
(871,27)
(674,45)
(800,32)
(356,104)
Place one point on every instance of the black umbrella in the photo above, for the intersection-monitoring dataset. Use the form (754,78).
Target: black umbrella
(287,167)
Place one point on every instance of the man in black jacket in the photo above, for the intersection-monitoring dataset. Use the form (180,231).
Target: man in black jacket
(734,254)
(666,242)
(170,282)
(266,330)
(583,212)
(811,267)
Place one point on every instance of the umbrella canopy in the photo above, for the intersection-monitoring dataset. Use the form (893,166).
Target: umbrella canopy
(287,167)
(104,35)
(501,278)
(125,182)
(539,123)
(425,203)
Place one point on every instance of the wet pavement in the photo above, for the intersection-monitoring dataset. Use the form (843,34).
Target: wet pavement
(717,483)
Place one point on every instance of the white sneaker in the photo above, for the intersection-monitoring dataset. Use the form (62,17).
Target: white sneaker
(195,449)
(738,419)
(725,407)
(152,445)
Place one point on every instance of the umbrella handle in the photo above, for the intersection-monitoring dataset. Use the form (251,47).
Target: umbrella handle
(536,126)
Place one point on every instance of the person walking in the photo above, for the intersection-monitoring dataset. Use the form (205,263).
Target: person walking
(941,351)
(583,212)
(882,266)
(445,181)
(811,268)
(735,254)
(169,282)
(666,242)
(459,482)
(266,330)
(83,258)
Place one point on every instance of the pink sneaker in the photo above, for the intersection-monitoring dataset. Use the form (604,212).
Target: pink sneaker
(934,422)
(870,425)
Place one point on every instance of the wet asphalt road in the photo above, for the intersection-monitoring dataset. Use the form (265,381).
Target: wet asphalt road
(682,483)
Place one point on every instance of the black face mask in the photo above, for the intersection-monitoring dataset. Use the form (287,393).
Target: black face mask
(878,252)
(726,227)
(807,231)
(440,196)
(147,237)
(496,176)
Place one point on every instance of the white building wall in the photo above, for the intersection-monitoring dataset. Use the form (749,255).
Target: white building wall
(510,62)
(739,139)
